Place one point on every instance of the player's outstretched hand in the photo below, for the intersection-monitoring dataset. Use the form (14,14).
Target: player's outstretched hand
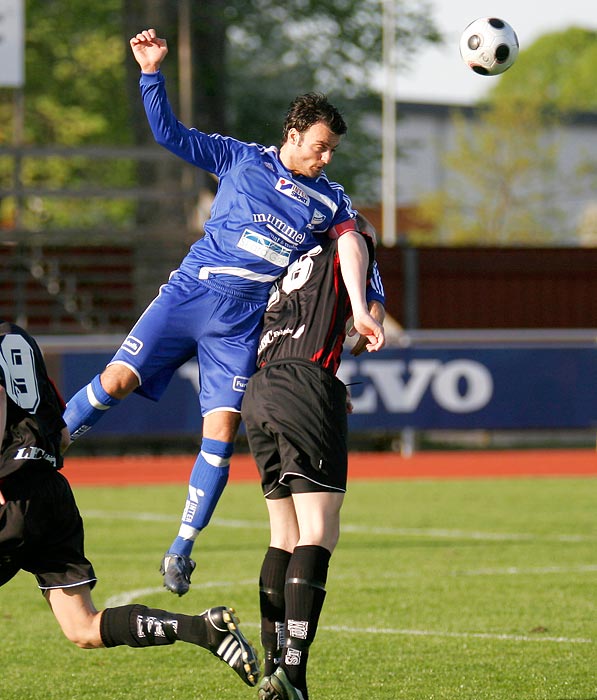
(365,341)
(149,50)
(372,333)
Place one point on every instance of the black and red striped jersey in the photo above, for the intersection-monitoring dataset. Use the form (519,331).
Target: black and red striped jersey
(307,311)
(34,407)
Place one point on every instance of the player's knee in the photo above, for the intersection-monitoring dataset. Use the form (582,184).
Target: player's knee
(221,425)
(84,636)
(282,540)
(82,629)
(329,539)
(118,381)
(325,536)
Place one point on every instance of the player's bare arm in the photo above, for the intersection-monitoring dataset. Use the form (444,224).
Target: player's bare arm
(149,50)
(354,259)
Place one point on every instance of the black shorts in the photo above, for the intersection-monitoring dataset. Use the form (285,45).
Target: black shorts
(41,530)
(295,419)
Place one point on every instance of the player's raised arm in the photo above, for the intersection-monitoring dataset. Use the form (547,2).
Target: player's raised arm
(149,50)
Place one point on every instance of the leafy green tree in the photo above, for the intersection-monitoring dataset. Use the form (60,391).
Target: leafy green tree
(74,96)
(278,50)
(246,61)
(558,69)
(250,59)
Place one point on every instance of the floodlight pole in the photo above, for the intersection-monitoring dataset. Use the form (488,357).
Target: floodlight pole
(389,152)
(388,157)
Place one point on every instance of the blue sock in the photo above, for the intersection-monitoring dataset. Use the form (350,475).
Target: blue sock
(86,407)
(206,484)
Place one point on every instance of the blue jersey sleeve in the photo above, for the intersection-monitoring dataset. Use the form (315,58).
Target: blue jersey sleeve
(375,290)
(211,152)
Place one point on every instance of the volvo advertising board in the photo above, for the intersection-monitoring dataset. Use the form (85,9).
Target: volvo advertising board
(420,388)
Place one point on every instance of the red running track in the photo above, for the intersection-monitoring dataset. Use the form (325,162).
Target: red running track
(149,469)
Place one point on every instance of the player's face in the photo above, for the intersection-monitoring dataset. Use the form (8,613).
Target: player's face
(309,152)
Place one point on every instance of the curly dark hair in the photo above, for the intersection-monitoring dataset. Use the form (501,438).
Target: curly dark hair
(309,109)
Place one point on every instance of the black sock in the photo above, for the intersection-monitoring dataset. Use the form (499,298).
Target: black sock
(271,600)
(304,593)
(139,626)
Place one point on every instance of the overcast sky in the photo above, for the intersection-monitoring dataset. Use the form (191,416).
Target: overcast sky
(438,74)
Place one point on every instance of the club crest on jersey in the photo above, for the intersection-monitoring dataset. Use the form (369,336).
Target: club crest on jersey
(292,190)
(240,384)
(264,247)
(318,218)
(132,345)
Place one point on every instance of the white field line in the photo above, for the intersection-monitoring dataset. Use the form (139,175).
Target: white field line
(356,529)
(537,570)
(493,572)
(127,597)
(458,635)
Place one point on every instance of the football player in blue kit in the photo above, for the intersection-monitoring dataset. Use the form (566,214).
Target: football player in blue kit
(272,205)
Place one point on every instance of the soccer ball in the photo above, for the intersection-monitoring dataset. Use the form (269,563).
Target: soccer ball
(489,46)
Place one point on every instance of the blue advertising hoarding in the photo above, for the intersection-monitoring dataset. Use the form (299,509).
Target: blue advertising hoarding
(519,387)
(486,388)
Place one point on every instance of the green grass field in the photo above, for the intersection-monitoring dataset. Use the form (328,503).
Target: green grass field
(438,590)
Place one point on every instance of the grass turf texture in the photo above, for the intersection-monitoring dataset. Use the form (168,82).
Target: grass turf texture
(466,589)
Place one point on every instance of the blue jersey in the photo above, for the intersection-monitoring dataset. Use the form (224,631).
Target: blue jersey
(263,217)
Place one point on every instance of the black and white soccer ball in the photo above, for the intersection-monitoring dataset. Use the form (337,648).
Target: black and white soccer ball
(489,46)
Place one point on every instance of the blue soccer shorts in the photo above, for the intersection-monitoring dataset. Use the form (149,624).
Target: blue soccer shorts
(195,318)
